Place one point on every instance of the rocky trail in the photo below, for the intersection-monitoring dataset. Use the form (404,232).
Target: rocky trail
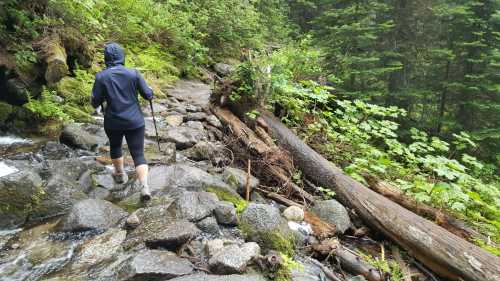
(63,218)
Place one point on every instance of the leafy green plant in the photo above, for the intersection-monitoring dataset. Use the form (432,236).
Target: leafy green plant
(45,108)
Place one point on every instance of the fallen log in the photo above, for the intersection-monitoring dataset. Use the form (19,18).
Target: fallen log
(447,254)
(439,217)
(348,260)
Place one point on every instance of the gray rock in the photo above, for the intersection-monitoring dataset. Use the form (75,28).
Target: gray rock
(233,258)
(194,206)
(165,179)
(209,225)
(183,137)
(193,108)
(173,236)
(262,217)
(133,221)
(196,116)
(92,214)
(260,220)
(195,125)
(55,151)
(174,120)
(157,107)
(153,220)
(60,194)
(166,156)
(72,168)
(333,212)
(238,179)
(233,277)
(99,193)
(214,121)
(225,213)
(213,246)
(294,213)
(75,136)
(98,250)
(205,151)
(18,195)
(223,69)
(153,265)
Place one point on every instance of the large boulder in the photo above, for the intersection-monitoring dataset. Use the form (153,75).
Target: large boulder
(174,235)
(76,136)
(151,220)
(194,206)
(233,258)
(333,212)
(60,194)
(92,214)
(233,277)
(165,179)
(183,137)
(98,250)
(238,179)
(151,265)
(19,193)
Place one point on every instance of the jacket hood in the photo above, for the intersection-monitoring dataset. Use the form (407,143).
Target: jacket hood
(114,55)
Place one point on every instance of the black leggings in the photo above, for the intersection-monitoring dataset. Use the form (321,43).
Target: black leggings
(135,142)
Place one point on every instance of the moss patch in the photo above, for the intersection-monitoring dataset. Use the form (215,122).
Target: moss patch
(271,240)
(238,202)
(5,111)
(284,273)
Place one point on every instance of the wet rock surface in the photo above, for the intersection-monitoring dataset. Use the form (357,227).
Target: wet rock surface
(80,225)
(153,265)
(92,214)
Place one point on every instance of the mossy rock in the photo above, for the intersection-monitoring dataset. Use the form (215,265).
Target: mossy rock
(225,195)
(263,224)
(19,194)
(5,111)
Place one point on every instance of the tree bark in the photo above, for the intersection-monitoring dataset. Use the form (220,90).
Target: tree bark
(55,57)
(447,254)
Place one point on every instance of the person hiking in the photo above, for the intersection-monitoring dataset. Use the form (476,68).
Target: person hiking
(118,87)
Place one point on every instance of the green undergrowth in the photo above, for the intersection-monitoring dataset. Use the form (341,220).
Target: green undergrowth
(284,272)
(224,195)
(384,265)
(364,138)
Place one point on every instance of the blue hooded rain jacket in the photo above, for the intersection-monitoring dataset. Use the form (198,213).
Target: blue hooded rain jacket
(118,86)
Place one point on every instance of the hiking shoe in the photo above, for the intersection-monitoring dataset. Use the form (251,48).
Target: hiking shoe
(120,178)
(145,193)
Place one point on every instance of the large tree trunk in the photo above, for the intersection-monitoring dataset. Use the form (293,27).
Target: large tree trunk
(440,250)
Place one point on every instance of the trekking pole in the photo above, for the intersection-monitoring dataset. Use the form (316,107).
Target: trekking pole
(154,122)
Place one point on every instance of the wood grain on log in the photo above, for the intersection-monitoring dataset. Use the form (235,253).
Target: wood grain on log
(445,253)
